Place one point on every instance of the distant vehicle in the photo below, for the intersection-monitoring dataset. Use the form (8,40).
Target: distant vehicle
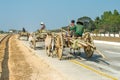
(23,34)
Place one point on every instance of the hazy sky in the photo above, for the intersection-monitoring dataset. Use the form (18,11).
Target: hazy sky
(17,14)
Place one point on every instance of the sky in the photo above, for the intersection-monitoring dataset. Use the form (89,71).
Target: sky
(16,14)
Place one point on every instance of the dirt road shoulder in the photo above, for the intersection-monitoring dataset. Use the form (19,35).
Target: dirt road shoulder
(25,65)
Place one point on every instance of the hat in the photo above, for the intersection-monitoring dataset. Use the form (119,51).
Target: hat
(80,22)
(41,23)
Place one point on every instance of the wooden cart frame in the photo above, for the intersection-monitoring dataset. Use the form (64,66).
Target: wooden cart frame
(23,34)
(86,42)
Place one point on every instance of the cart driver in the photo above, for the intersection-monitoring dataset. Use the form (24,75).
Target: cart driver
(23,29)
(42,29)
(78,28)
(72,24)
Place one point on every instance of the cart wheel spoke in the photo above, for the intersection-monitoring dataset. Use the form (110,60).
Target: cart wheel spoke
(88,50)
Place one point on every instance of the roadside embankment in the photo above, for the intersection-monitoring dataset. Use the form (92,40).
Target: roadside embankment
(110,39)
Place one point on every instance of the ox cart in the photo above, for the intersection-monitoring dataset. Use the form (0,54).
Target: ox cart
(36,37)
(54,44)
(23,34)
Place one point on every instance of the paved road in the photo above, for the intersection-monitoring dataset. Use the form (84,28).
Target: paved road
(81,68)
(112,63)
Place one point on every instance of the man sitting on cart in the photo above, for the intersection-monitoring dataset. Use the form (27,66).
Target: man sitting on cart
(23,29)
(78,28)
(42,29)
(72,24)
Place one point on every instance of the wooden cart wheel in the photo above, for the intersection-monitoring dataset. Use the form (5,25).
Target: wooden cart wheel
(34,44)
(88,50)
(60,49)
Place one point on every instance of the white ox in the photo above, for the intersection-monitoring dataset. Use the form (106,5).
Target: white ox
(53,45)
(48,43)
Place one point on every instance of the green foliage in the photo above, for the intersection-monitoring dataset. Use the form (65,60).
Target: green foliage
(1,31)
(108,21)
(88,23)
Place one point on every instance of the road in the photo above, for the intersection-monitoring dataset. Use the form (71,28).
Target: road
(81,68)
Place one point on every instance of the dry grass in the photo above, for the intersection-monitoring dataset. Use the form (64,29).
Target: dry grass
(112,39)
(25,65)
(19,68)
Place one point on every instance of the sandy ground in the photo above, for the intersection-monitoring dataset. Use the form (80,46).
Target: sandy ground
(25,65)
(111,39)
(2,49)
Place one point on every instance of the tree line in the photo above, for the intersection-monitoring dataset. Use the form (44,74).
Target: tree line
(107,22)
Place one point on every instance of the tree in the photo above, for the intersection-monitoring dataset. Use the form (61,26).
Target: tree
(116,13)
(1,31)
(108,21)
(97,22)
(88,23)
